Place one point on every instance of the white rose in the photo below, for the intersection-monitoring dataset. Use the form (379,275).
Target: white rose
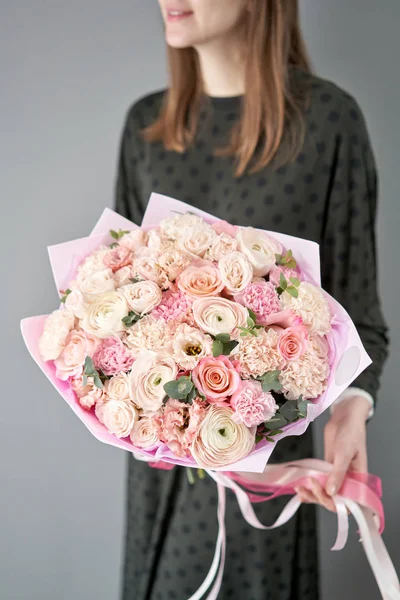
(119,417)
(190,345)
(220,441)
(260,249)
(75,303)
(94,262)
(104,316)
(236,271)
(134,240)
(223,244)
(149,374)
(142,296)
(311,306)
(117,388)
(172,227)
(216,315)
(97,283)
(196,240)
(144,434)
(56,329)
(123,276)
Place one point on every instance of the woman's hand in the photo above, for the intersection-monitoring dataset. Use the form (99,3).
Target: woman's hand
(345,441)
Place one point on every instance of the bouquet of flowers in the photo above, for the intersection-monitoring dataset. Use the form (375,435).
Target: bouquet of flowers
(192,341)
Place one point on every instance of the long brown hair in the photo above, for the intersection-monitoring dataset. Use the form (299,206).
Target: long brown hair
(271,107)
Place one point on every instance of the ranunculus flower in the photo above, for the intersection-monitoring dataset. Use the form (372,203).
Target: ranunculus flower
(220,441)
(260,248)
(216,315)
(275,274)
(88,395)
(142,296)
(56,329)
(119,416)
(293,342)
(144,433)
(104,316)
(216,378)
(223,244)
(196,240)
(113,357)
(97,283)
(311,306)
(150,372)
(118,257)
(135,239)
(200,279)
(252,406)
(178,424)
(117,388)
(190,345)
(78,346)
(262,298)
(236,271)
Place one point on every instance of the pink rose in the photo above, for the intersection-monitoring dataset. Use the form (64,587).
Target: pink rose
(78,346)
(216,378)
(178,425)
(262,298)
(275,273)
(113,357)
(293,342)
(252,406)
(283,318)
(201,279)
(117,258)
(224,227)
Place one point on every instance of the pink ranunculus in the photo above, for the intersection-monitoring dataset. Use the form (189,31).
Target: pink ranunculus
(113,357)
(216,378)
(252,406)
(224,227)
(293,342)
(262,298)
(117,258)
(78,346)
(275,273)
(200,279)
(177,426)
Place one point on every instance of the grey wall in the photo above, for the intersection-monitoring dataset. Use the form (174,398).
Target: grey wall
(69,70)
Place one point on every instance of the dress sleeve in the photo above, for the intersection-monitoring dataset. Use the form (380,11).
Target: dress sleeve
(127,197)
(348,249)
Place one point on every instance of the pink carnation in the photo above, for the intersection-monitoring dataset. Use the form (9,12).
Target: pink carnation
(113,357)
(88,395)
(262,298)
(275,273)
(174,306)
(179,424)
(117,258)
(252,406)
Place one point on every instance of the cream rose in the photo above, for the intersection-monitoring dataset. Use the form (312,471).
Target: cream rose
(223,244)
(190,345)
(196,240)
(104,316)
(56,329)
(123,277)
(142,296)
(78,346)
(75,302)
(311,306)
(236,272)
(97,283)
(134,240)
(144,434)
(149,374)
(216,315)
(200,279)
(260,249)
(117,388)
(220,441)
(119,416)
(172,227)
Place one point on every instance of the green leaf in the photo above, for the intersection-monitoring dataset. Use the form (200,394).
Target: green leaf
(228,347)
(217,348)
(252,315)
(295,281)
(84,380)
(113,245)
(275,432)
(269,439)
(282,281)
(114,234)
(64,295)
(135,280)
(250,322)
(97,382)
(289,410)
(223,337)
(179,389)
(292,264)
(293,291)
(279,291)
(278,258)
(131,319)
(191,396)
(302,408)
(117,235)
(276,422)
(259,438)
(88,368)
(270,381)
(244,332)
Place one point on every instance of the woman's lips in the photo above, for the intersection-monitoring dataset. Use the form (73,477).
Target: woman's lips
(178,15)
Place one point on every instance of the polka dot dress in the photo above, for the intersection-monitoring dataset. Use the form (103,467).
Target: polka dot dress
(328,194)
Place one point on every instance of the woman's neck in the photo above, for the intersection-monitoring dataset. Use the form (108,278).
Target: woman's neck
(222,67)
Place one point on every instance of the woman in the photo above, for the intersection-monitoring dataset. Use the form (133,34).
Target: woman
(246,132)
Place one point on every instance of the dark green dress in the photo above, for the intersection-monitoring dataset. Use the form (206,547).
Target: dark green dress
(328,194)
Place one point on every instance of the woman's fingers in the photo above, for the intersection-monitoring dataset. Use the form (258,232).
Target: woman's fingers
(315,495)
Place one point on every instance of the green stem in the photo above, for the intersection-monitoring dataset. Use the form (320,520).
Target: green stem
(190,476)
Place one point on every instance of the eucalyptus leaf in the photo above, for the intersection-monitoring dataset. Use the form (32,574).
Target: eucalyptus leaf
(89,366)
(229,346)
(282,281)
(278,259)
(179,389)
(97,382)
(259,438)
(293,291)
(276,422)
(302,408)
(270,381)
(250,322)
(275,432)
(252,315)
(289,410)
(84,380)
(295,281)
(217,348)
(223,337)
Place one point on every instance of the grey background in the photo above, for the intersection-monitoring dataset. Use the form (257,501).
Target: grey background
(69,71)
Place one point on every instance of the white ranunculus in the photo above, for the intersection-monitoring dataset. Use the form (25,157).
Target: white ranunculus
(216,315)
(119,416)
(56,329)
(150,372)
(117,388)
(196,240)
(220,441)
(312,306)
(190,345)
(260,248)
(104,316)
(97,283)
(236,271)
(142,296)
(144,434)
(172,227)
